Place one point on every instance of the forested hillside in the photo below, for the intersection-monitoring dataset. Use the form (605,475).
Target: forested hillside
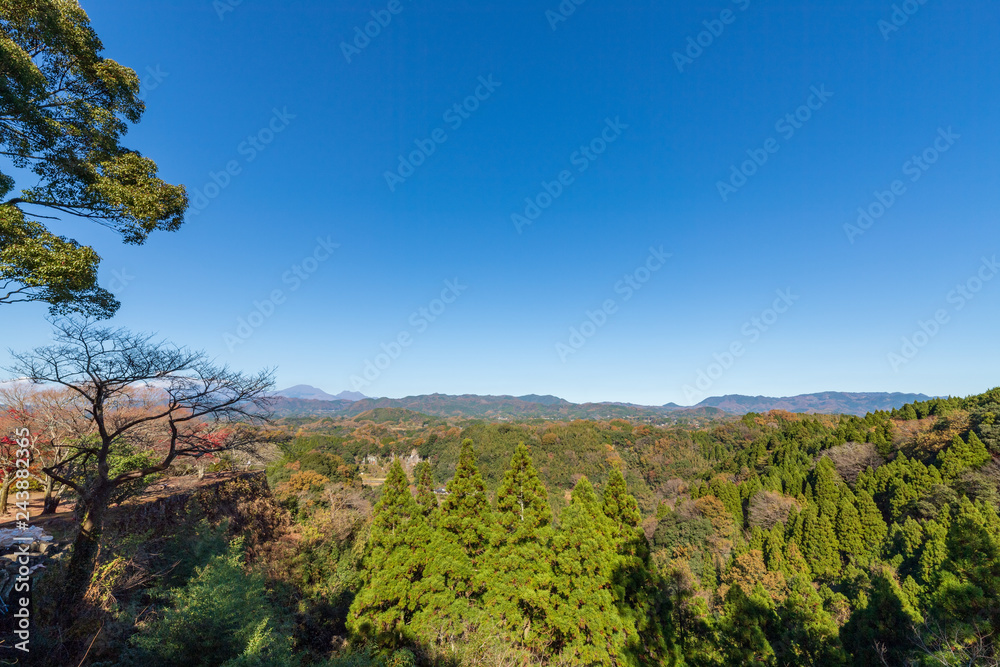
(775,540)
(394,538)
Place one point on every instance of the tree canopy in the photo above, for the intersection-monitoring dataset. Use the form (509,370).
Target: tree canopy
(64,110)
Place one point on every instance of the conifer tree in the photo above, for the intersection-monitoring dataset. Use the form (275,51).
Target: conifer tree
(443,602)
(951,460)
(749,488)
(709,572)
(426,498)
(944,516)
(901,493)
(966,602)
(445,599)
(772,482)
(466,514)
(774,547)
(635,586)
(867,481)
(978,453)
(934,553)
(913,590)
(519,578)
(747,621)
(873,527)
(848,528)
(802,524)
(806,633)
(793,529)
(729,494)
(883,444)
(825,491)
(990,517)
(819,545)
(584,619)
(394,561)
(879,633)
(961,456)
(620,506)
(796,564)
(907,537)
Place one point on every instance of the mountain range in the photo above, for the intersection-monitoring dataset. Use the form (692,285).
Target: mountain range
(827,402)
(315,394)
(306,400)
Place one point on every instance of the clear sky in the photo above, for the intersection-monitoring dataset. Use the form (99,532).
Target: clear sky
(619,120)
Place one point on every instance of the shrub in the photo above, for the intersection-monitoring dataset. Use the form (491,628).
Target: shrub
(221,617)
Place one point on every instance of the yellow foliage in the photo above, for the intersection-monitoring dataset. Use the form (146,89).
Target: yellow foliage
(748,570)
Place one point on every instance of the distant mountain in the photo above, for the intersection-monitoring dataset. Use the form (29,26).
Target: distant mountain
(306,400)
(311,393)
(19,383)
(470,406)
(309,401)
(351,396)
(827,402)
(544,400)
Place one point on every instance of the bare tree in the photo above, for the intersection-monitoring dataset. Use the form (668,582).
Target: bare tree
(974,647)
(135,390)
(853,458)
(767,508)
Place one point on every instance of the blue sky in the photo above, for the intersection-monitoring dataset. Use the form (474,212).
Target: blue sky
(598,101)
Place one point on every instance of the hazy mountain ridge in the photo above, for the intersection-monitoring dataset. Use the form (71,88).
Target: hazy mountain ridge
(486,407)
(827,402)
(473,406)
(308,392)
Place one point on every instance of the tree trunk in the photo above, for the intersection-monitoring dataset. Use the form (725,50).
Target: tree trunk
(5,493)
(47,502)
(52,497)
(85,548)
